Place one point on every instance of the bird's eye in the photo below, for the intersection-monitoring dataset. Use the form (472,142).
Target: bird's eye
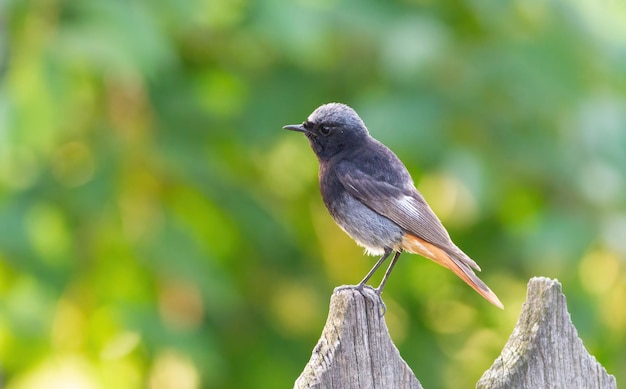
(324,130)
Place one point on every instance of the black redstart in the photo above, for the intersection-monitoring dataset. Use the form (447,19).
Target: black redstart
(371,196)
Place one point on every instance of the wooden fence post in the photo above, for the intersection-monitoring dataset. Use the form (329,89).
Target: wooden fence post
(544,351)
(355,349)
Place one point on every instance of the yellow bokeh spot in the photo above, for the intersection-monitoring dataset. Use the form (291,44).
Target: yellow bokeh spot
(451,200)
(296,308)
(598,271)
(56,372)
(68,326)
(120,345)
(173,370)
(613,309)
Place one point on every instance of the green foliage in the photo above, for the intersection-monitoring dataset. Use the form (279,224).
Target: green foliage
(158,228)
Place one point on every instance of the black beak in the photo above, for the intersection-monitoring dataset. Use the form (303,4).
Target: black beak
(295,127)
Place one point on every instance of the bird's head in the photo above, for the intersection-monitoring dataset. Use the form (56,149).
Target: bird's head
(331,129)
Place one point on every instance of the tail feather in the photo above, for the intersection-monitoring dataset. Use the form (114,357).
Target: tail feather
(459,255)
(459,264)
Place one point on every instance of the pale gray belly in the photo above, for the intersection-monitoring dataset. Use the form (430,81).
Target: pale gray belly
(369,229)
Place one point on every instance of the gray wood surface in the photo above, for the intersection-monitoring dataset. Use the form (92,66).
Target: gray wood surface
(355,350)
(544,350)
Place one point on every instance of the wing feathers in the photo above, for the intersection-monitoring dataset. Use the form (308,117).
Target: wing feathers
(403,206)
(425,235)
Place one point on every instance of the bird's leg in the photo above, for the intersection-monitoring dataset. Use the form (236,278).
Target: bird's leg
(372,271)
(379,290)
(376,266)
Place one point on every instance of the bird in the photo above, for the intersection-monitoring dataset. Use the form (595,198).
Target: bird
(371,196)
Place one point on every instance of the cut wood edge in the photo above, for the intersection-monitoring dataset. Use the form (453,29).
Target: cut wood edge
(544,350)
(355,349)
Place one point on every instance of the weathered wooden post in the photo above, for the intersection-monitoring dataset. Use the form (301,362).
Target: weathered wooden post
(355,349)
(544,351)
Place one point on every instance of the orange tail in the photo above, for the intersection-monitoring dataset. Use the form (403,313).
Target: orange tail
(415,245)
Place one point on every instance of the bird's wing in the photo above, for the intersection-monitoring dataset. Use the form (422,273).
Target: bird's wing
(405,206)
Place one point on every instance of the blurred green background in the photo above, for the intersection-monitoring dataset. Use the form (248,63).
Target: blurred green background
(158,228)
